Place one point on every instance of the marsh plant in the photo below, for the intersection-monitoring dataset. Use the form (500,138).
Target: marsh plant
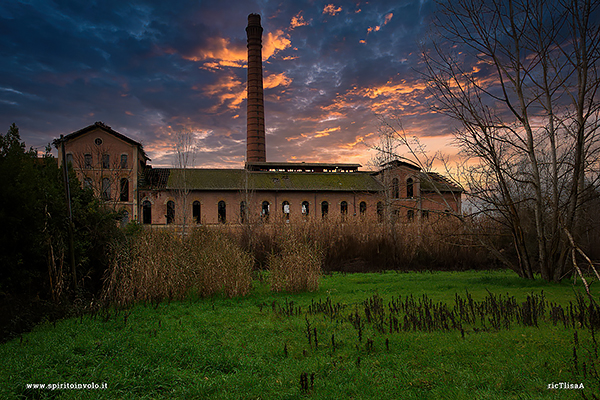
(296,266)
(161,264)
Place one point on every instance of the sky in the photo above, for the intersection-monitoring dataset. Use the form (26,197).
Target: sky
(153,68)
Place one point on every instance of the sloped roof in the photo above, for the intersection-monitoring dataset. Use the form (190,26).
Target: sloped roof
(240,179)
(107,129)
(433,182)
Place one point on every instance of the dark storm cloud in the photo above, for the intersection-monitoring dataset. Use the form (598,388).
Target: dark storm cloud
(151,68)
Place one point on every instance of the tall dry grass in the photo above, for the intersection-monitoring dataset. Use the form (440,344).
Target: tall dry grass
(362,245)
(159,264)
(295,266)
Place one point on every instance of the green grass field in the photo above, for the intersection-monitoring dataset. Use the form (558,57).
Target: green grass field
(257,347)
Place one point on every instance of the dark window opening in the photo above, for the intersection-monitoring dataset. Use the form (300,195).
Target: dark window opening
(264,212)
(105,161)
(170,212)
(324,209)
(379,211)
(344,209)
(146,212)
(305,208)
(87,160)
(409,188)
(105,189)
(410,214)
(222,212)
(362,208)
(196,211)
(243,212)
(69,159)
(395,188)
(425,214)
(124,195)
(123,160)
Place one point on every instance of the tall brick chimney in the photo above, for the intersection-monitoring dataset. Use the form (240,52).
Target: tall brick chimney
(255,126)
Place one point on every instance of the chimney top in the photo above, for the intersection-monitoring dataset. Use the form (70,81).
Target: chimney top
(254,20)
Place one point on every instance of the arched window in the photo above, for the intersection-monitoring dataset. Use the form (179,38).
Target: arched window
(379,211)
(196,212)
(125,218)
(170,212)
(87,160)
(123,160)
(344,209)
(285,207)
(105,189)
(124,192)
(265,210)
(324,209)
(88,183)
(146,212)
(305,208)
(409,188)
(410,215)
(362,208)
(106,161)
(425,214)
(243,212)
(395,188)
(222,211)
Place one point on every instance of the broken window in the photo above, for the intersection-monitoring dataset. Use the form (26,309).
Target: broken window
(87,160)
(305,208)
(379,211)
(105,189)
(243,212)
(123,160)
(362,208)
(285,207)
(196,211)
(146,212)
(170,212)
(222,212)
(324,209)
(395,188)
(264,212)
(409,187)
(124,189)
(105,161)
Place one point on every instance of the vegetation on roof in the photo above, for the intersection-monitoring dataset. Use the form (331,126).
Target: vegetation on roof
(239,179)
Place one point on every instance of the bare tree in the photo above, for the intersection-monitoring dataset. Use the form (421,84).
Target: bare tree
(185,157)
(522,78)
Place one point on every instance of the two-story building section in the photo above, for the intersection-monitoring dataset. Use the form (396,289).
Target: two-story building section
(107,162)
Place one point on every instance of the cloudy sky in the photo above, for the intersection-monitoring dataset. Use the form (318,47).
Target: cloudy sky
(150,68)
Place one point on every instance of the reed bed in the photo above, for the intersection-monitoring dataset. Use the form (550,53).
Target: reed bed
(162,264)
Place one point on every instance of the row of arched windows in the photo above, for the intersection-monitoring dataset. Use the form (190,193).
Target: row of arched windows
(264,213)
(396,188)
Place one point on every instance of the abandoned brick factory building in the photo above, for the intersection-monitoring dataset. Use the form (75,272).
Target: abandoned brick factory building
(116,168)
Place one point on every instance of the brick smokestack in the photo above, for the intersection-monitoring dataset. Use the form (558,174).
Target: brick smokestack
(255,128)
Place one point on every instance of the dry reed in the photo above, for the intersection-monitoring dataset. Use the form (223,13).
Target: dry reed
(161,264)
